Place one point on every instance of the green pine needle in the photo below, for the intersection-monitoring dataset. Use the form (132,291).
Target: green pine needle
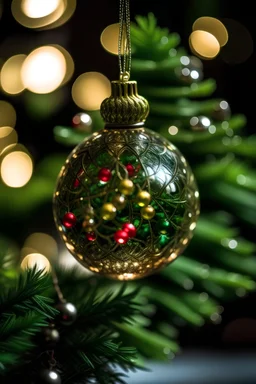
(25,294)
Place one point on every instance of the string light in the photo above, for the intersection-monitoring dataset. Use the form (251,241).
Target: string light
(36,260)
(70,66)
(7,114)
(240,44)
(16,169)
(39,8)
(38,13)
(43,70)
(204,44)
(42,243)
(90,89)
(11,81)
(67,13)
(214,27)
(8,136)
(109,38)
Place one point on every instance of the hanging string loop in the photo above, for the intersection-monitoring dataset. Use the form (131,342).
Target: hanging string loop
(124,41)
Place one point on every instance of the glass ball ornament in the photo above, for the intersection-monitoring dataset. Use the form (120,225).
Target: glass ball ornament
(190,71)
(82,122)
(51,336)
(48,376)
(222,111)
(67,313)
(200,123)
(138,188)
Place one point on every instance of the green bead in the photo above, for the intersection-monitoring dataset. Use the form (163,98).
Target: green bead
(178,220)
(136,223)
(163,226)
(144,231)
(163,240)
(159,215)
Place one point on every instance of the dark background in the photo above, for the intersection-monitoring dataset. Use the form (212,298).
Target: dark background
(80,36)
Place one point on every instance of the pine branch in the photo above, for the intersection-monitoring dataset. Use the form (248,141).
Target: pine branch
(147,33)
(164,93)
(8,255)
(92,353)
(94,348)
(103,308)
(150,344)
(28,325)
(108,376)
(198,271)
(26,294)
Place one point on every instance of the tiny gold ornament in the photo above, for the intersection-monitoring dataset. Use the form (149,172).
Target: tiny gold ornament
(119,201)
(148,212)
(126,187)
(108,211)
(143,198)
(126,201)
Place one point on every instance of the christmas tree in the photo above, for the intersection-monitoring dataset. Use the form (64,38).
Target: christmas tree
(67,325)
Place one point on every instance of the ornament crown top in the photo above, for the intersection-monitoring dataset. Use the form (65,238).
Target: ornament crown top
(125,107)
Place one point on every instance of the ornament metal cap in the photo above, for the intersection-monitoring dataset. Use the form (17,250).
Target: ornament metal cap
(125,106)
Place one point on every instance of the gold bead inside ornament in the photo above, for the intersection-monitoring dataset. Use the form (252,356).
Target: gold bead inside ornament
(147,212)
(126,187)
(119,202)
(143,198)
(108,211)
(88,225)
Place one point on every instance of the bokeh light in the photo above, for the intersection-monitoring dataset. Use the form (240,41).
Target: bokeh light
(16,169)
(173,130)
(70,66)
(8,136)
(109,39)
(241,330)
(43,70)
(39,8)
(36,260)
(213,26)
(204,44)
(11,75)
(38,13)
(67,261)
(67,13)
(240,43)
(7,114)
(42,243)
(90,89)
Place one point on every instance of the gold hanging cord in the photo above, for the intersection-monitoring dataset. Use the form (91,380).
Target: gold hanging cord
(124,41)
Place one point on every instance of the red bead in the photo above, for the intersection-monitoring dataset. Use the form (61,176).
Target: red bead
(130,229)
(69,220)
(91,236)
(104,174)
(130,169)
(121,237)
(76,183)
